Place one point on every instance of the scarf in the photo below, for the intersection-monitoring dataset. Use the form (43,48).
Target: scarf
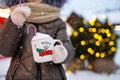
(40,13)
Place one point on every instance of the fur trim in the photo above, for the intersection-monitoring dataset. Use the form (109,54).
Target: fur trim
(19,14)
(59,54)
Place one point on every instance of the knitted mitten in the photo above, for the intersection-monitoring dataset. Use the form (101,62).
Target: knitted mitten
(59,54)
(19,14)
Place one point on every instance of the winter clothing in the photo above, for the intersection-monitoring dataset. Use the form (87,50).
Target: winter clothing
(60,54)
(13,2)
(19,15)
(40,13)
(14,42)
(56,3)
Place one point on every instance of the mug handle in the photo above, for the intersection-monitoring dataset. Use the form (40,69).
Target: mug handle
(56,40)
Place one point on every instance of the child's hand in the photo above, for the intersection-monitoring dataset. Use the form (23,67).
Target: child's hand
(59,54)
(19,14)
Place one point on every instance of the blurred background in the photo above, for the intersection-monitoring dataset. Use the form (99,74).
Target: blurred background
(94,29)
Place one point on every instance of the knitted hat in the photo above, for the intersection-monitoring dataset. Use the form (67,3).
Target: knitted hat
(56,3)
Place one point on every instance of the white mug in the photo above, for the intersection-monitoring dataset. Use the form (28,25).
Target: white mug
(42,46)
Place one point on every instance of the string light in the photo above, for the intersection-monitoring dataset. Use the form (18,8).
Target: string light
(75,33)
(81,29)
(99,38)
(108,34)
(96,35)
(97,54)
(90,51)
(107,31)
(90,29)
(102,55)
(92,21)
(113,49)
(82,43)
(102,31)
(111,43)
(94,30)
(90,67)
(97,43)
(82,57)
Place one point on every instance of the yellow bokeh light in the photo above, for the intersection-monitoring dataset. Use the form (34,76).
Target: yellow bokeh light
(102,55)
(113,49)
(82,57)
(92,52)
(82,43)
(108,34)
(102,30)
(97,54)
(97,43)
(96,36)
(111,43)
(92,21)
(100,38)
(90,67)
(90,29)
(89,49)
(81,29)
(75,33)
(107,30)
(93,29)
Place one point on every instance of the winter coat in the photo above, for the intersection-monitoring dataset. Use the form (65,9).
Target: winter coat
(15,43)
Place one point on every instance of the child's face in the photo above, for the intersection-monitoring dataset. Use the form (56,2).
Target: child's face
(36,1)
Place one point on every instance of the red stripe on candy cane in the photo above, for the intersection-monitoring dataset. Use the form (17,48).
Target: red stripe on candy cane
(20,2)
(2,57)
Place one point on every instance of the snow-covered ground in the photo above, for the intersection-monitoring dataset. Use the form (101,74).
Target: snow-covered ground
(4,64)
(89,75)
(79,75)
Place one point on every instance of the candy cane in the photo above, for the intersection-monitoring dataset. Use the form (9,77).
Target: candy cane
(20,2)
(28,28)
